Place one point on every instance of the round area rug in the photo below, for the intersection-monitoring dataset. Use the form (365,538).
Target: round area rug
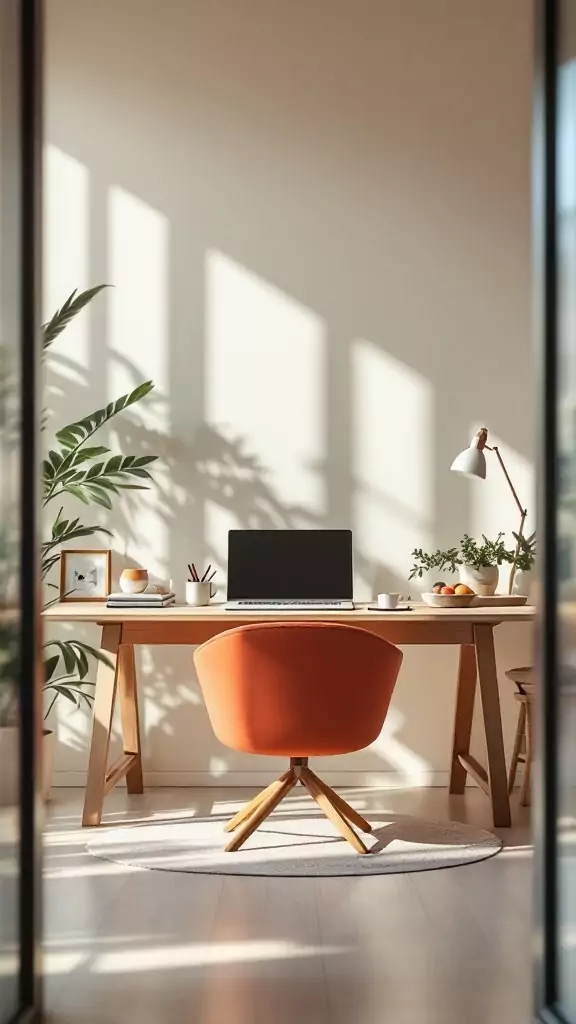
(302,847)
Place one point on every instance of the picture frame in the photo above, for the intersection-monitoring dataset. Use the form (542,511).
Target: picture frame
(85,574)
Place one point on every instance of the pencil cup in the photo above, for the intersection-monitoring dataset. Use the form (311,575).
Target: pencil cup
(198,594)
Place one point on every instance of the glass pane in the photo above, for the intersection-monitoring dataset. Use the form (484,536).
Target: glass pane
(9,513)
(566,749)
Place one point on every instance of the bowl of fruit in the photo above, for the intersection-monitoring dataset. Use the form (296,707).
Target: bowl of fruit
(444,596)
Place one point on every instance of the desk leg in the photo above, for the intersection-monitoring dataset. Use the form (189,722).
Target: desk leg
(104,699)
(464,714)
(488,679)
(128,693)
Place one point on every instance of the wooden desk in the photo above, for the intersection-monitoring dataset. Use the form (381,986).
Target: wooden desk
(471,629)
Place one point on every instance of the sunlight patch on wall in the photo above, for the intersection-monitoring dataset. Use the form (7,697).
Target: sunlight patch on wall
(139,346)
(138,326)
(65,255)
(264,383)
(393,462)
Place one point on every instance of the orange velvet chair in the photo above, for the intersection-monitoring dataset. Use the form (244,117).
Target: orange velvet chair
(300,689)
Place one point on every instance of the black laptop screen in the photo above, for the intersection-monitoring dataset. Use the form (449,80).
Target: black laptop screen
(289,565)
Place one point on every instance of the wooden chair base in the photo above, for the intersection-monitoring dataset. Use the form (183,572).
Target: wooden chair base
(342,816)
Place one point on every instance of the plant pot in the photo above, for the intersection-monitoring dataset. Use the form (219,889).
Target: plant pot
(48,743)
(9,765)
(482,581)
(133,581)
(525,583)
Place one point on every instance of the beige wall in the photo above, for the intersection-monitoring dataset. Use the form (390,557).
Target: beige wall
(316,219)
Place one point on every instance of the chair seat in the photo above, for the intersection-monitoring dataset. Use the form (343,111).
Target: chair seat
(525,677)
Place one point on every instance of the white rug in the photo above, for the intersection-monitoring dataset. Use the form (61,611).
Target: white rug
(306,846)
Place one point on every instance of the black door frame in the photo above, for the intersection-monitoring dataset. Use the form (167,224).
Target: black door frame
(31,667)
(546,276)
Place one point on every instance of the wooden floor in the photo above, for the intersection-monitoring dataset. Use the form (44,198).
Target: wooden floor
(147,947)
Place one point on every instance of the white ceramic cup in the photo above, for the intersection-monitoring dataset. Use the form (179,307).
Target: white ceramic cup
(388,600)
(198,594)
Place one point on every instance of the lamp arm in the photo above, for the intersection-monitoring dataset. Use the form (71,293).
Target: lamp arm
(521,508)
(523,514)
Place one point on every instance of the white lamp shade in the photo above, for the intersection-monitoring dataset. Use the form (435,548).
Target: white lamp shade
(471,462)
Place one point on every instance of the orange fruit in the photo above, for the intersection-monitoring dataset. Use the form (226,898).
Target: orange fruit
(461,588)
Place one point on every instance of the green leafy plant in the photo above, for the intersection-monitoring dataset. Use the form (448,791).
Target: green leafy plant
(469,552)
(442,560)
(525,556)
(482,556)
(92,474)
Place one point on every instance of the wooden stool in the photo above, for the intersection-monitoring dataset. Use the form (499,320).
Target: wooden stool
(523,742)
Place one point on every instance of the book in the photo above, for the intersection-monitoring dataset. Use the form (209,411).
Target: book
(141,604)
(145,598)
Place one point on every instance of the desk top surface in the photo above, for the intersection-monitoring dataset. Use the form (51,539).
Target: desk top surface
(92,611)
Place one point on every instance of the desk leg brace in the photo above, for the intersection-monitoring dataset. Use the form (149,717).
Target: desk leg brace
(119,677)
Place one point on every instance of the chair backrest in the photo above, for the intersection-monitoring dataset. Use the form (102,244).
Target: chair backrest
(297,688)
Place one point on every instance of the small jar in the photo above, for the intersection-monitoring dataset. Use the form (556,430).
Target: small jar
(133,581)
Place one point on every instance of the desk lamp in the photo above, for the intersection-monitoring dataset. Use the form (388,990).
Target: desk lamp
(472,462)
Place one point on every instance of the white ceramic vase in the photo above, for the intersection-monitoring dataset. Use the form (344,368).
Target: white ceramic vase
(133,581)
(526,584)
(482,581)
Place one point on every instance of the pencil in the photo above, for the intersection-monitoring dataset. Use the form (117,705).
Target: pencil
(212,576)
(195,571)
(205,574)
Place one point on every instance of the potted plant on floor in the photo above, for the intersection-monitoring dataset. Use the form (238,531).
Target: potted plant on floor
(74,466)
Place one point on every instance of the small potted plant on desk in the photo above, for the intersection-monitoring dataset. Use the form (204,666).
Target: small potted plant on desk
(524,561)
(478,563)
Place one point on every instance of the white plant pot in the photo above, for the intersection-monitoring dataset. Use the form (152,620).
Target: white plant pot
(48,744)
(9,765)
(482,581)
(526,584)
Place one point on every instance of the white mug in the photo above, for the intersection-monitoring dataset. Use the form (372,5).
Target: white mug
(388,600)
(198,594)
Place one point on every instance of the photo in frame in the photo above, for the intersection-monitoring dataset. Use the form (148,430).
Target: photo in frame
(85,575)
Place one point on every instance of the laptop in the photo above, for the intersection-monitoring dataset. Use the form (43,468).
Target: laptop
(295,570)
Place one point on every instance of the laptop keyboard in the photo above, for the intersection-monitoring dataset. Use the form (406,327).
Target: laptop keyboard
(319,605)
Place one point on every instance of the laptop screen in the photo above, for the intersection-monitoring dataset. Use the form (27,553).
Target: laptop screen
(289,565)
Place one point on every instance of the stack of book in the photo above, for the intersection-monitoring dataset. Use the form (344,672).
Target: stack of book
(149,599)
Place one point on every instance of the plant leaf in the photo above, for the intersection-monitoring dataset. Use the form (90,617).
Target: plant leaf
(75,434)
(62,317)
(50,666)
(77,492)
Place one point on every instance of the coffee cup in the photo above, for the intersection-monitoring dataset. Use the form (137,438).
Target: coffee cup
(199,594)
(388,600)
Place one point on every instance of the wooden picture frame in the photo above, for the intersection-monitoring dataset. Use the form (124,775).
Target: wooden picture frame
(102,570)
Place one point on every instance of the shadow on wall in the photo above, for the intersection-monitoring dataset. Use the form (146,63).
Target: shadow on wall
(319,254)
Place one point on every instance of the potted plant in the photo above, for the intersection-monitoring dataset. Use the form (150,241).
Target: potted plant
(524,562)
(439,561)
(75,466)
(478,564)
